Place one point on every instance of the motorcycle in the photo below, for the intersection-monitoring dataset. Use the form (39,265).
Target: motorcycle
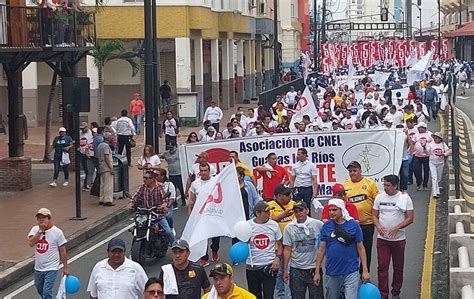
(149,238)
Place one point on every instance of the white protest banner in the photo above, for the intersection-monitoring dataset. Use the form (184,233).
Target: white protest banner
(217,209)
(379,152)
(305,106)
(380,78)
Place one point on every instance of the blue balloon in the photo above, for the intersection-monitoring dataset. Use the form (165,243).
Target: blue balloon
(73,284)
(239,252)
(369,291)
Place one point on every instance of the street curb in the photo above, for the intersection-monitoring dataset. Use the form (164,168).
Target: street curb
(25,267)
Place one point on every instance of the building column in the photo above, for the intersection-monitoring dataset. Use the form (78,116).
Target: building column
(30,94)
(258,66)
(253,80)
(225,103)
(183,64)
(231,66)
(248,69)
(268,68)
(215,71)
(198,74)
(93,73)
(239,80)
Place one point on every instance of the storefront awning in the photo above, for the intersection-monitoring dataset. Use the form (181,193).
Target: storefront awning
(467,30)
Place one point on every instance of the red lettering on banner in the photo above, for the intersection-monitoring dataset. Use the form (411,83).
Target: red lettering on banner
(212,199)
(326,173)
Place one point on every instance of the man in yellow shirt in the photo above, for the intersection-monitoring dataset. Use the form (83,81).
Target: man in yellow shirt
(234,158)
(224,284)
(361,191)
(282,213)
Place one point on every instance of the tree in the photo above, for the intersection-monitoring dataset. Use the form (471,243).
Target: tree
(49,112)
(104,52)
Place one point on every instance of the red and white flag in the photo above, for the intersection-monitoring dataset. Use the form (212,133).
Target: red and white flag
(305,106)
(217,209)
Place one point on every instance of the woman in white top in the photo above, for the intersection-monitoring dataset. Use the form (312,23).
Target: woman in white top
(438,151)
(210,134)
(149,161)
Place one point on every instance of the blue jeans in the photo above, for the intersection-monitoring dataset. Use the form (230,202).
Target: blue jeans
(166,227)
(166,103)
(169,217)
(281,289)
(58,167)
(305,194)
(44,283)
(349,283)
(431,106)
(137,120)
(404,173)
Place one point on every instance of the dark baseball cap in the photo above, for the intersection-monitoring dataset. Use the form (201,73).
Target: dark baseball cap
(116,243)
(282,189)
(300,205)
(262,206)
(354,164)
(181,244)
(223,269)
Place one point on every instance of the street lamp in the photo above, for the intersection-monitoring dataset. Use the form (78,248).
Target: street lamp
(419,8)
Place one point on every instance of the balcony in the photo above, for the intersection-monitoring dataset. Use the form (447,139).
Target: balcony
(24,28)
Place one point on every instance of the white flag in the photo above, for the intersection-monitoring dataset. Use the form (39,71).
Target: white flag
(217,209)
(305,106)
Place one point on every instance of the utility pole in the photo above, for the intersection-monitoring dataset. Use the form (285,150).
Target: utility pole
(439,30)
(315,36)
(149,100)
(156,80)
(323,24)
(276,47)
(408,18)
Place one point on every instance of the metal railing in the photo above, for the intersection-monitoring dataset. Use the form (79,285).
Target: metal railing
(35,27)
(268,97)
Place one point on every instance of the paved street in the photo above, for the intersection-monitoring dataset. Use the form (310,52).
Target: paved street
(85,256)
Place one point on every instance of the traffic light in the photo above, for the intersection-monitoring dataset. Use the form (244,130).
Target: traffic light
(384,14)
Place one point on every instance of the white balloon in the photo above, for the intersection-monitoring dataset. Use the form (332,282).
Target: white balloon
(243,231)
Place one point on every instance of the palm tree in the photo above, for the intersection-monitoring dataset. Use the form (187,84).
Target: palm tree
(104,52)
(49,112)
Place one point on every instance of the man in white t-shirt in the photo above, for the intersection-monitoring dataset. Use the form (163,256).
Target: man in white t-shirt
(290,98)
(117,277)
(50,249)
(266,251)
(349,121)
(170,128)
(392,213)
(196,186)
(194,172)
(214,114)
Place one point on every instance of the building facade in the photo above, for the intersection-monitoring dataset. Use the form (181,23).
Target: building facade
(216,49)
(291,33)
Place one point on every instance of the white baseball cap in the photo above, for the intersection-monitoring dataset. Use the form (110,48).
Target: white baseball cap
(62,129)
(44,212)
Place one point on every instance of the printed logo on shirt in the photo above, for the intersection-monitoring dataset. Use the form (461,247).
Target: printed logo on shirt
(42,246)
(261,241)
(438,151)
(191,274)
(358,198)
(389,204)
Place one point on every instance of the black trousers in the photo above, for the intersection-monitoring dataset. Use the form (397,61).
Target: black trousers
(302,280)
(170,141)
(178,183)
(421,168)
(214,247)
(368,235)
(261,282)
(124,141)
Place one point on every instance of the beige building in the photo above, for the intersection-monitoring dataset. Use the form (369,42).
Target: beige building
(217,49)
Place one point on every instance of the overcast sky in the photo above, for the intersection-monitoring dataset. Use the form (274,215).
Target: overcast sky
(429,12)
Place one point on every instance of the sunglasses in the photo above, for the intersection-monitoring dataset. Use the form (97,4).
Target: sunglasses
(155,292)
(44,236)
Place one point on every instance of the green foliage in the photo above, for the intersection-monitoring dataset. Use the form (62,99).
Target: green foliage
(105,51)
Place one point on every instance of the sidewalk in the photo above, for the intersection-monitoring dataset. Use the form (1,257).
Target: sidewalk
(16,257)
